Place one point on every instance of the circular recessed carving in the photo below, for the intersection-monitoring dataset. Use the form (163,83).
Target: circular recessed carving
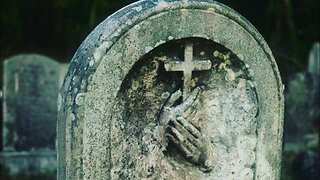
(189,129)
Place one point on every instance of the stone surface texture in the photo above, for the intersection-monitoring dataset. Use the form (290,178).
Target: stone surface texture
(121,115)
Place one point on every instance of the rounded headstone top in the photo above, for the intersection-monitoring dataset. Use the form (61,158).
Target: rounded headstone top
(111,103)
(31,58)
(102,38)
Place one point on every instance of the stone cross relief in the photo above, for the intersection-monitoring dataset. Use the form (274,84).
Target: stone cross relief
(187,66)
(178,119)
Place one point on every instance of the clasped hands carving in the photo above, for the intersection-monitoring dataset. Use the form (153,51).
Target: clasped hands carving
(178,127)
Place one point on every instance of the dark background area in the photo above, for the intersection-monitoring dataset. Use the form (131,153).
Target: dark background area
(56,28)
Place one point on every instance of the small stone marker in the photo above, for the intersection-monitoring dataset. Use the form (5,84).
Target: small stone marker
(171,90)
(30,86)
(301,136)
(30,89)
(314,59)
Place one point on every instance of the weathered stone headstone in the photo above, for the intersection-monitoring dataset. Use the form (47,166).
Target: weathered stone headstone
(302,101)
(314,59)
(171,90)
(30,90)
(301,137)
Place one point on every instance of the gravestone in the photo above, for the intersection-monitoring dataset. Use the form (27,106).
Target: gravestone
(171,90)
(30,90)
(302,103)
(314,59)
(301,137)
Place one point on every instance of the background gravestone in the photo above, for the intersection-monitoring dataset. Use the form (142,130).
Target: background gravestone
(30,91)
(199,99)
(302,115)
(302,100)
(30,88)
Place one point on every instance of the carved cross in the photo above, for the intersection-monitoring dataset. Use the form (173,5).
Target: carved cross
(187,67)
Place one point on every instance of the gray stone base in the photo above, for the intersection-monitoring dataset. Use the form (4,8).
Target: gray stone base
(29,163)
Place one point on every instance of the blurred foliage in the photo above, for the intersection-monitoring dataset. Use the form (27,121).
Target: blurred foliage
(286,166)
(51,27)
(57,27)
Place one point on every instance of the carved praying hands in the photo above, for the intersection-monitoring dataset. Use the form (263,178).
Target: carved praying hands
(179,129)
